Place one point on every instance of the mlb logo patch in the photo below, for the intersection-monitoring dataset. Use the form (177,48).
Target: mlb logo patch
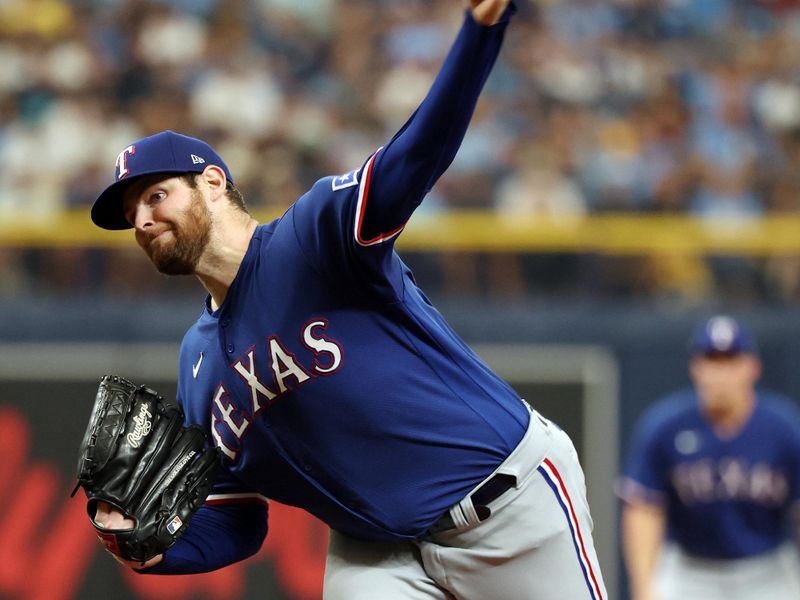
(174,525)
(347,180)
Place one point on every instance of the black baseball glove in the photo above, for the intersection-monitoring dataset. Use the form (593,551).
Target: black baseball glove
(137,456)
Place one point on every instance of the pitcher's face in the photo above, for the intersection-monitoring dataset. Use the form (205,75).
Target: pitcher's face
(171,221)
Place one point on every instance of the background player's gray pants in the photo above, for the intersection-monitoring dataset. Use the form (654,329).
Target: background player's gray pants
(772,576)
(536,545)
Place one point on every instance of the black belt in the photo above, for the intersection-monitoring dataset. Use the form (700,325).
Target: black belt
(490,491)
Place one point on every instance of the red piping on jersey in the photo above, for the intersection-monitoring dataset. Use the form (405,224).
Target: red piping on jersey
(217,499)
(361,207)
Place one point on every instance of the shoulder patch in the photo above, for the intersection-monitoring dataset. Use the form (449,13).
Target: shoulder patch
(347,180)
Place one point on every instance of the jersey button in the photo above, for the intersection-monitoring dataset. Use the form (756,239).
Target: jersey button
(230,348)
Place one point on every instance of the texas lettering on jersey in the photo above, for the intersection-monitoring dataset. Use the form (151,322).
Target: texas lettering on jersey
(229,421)
(729,479)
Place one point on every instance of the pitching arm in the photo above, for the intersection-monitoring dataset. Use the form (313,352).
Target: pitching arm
(396,179)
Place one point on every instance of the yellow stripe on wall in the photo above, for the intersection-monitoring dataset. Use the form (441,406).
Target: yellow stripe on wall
(614,234)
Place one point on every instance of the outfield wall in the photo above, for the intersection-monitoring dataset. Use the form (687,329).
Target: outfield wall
(592,369)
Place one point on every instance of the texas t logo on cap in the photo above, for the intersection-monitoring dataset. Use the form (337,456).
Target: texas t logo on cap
(722,335)
(164,152)
(122,160)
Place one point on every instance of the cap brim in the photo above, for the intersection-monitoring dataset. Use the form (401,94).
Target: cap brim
(107,211)
(722,353)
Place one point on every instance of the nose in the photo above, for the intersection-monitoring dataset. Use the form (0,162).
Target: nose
(142,216)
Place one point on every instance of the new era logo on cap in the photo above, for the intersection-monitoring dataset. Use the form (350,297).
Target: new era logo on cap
(165,152)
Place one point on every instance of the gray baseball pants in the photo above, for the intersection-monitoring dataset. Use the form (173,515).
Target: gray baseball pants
(536,544)
(773,576)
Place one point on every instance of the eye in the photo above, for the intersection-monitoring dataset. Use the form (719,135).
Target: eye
(157,196)
(129,212)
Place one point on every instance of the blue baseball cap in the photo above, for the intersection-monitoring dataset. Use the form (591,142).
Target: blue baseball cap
(165,152)
(722,335)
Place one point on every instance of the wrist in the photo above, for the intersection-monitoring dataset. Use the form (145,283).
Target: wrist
(487,12)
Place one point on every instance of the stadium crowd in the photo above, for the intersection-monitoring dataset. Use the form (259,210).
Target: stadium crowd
(672,106)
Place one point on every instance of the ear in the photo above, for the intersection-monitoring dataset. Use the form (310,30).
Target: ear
(756,367)
(694,367)
(214,178)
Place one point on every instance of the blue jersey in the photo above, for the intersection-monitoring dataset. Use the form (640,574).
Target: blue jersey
(327,378)
(725,497)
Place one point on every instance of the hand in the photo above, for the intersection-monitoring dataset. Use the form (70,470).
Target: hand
(487,12)
(649,592)
(109,517)
(647,596)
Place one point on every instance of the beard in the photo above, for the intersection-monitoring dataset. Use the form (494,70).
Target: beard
(719,405)
(190,233)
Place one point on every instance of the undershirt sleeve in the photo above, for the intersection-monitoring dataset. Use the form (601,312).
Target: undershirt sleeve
(217,536)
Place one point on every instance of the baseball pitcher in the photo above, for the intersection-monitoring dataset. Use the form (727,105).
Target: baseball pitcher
(325,379)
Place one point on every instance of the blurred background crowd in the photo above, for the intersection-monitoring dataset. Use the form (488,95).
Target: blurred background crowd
(648,106)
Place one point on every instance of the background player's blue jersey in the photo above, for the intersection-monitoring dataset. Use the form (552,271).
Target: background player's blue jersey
(326,377)
(725,497)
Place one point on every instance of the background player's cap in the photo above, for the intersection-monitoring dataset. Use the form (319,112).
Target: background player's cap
(722,335)
(165,152)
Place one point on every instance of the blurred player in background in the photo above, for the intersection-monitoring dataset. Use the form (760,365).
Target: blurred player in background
(712,482)
(329,382)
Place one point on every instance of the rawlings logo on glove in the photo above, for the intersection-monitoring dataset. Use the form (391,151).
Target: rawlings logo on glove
(143,426)
(138,457)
